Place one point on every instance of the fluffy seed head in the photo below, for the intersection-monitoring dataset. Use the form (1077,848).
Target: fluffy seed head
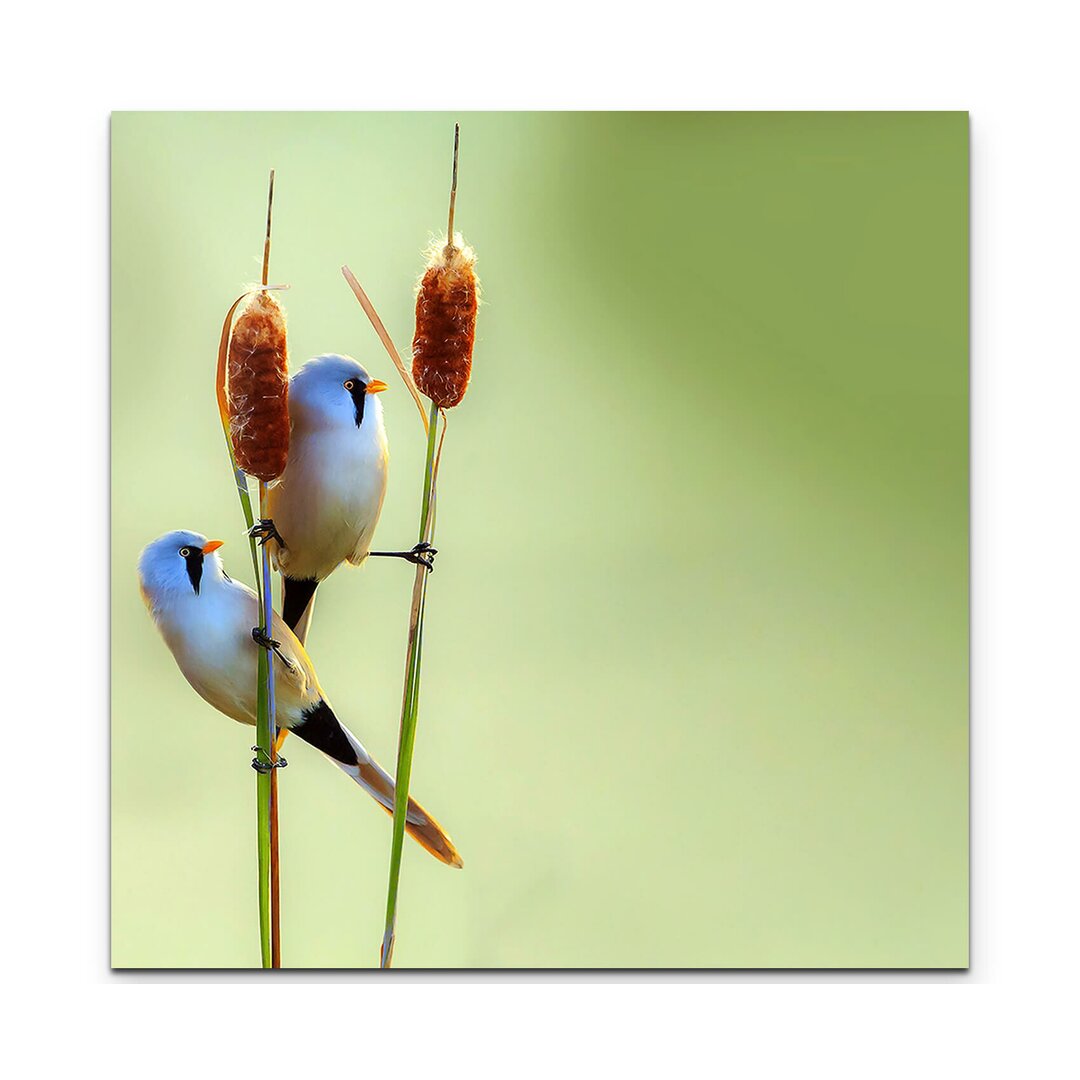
(258,388)
(446,323)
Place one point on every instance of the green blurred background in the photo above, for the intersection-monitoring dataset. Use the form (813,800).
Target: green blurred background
(695,684)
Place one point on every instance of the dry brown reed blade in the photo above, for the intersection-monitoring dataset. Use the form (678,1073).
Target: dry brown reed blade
(384,337)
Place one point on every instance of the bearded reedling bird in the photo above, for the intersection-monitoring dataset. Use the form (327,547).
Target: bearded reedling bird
(207,621)
(324,508)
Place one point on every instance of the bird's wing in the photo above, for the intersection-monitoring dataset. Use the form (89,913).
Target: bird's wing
(297,672)
(365,535)
(295,683)
(363,545)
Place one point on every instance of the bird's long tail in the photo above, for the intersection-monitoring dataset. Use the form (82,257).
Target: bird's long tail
(322,729)
(297,604)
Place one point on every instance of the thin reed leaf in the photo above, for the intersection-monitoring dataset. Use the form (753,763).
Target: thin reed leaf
(411,696)
(266,604)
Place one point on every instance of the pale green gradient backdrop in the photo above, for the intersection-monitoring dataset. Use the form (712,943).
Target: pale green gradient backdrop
(695,687)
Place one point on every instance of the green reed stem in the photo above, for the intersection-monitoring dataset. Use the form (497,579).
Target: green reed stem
(265,735)
(263,725)
(264,739)
(410,698)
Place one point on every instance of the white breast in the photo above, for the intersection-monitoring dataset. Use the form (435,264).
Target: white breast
(210,637)
(328,501)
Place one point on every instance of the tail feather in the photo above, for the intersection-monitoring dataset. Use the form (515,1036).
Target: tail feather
(419,824)
(297,604)
(325,732)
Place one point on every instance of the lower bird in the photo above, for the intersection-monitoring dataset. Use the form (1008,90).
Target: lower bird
(208,622)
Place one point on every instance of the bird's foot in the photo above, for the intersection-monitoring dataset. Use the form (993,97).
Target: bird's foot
(263,639)
(422,554)
(266,530)
(262,762)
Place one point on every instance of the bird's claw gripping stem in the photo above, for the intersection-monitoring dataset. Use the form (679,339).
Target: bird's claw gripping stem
(422,554)
(265,530)
(263,639)
(262,762)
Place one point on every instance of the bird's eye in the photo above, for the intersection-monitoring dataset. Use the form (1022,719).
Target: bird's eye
(349,384)
(185,552)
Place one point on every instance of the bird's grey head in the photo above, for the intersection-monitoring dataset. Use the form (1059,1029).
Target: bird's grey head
(332,391)
(179,562)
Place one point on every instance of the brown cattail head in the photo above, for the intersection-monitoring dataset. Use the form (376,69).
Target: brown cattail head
(446,323)
(259,388)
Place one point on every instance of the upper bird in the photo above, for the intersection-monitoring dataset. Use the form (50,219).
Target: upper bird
(206,619)
(324,508)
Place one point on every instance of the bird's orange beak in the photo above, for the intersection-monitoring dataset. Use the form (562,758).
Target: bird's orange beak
(376,386)
(213,545)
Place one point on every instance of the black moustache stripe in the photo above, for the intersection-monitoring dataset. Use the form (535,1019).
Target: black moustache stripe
(194,569)
(359,395)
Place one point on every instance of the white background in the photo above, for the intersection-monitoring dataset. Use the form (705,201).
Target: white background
(1013,68)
